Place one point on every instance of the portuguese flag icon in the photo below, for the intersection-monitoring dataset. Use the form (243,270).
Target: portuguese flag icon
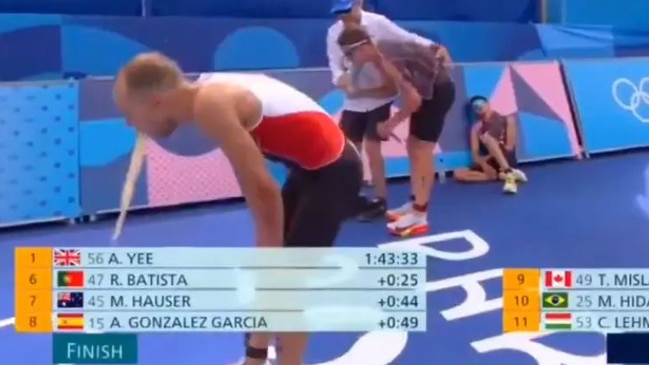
(558,321)
(70,279)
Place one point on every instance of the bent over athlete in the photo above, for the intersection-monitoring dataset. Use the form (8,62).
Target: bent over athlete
(428,93)
(251,116)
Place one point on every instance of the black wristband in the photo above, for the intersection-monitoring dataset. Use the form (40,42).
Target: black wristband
(257,354)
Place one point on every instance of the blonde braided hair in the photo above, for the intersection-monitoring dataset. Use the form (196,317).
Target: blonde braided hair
(133,173)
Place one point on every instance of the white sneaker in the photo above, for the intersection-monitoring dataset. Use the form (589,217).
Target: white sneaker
(510,186)
(519,175)
(410,224)
(394,214)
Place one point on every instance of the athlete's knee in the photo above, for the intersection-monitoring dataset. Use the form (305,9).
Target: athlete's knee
(488,139)
(411,145)
(415,145)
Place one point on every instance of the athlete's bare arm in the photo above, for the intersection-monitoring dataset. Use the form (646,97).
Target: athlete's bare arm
(217,112)
(475,143)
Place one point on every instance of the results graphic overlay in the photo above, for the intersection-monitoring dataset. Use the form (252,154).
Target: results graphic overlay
(609,301)
(599,300)
(136,290)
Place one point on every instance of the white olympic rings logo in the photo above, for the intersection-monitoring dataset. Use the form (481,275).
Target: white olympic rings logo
(639,96)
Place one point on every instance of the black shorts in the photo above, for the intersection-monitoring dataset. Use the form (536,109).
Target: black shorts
(316,203)
(427,122)
(360,125)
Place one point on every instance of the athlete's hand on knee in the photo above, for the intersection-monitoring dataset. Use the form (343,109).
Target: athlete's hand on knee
(385,130)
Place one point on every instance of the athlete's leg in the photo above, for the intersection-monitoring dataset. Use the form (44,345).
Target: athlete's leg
(426,126)
(354,124)
(291,192)
(377,167)
(496,151)
(257,343)
(519,175)
(372,143)
(505,171)
(471,175)
(322,209)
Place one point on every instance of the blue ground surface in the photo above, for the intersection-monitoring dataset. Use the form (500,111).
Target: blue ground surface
(574,214)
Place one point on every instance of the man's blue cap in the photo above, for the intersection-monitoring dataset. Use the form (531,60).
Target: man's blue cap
(342,6)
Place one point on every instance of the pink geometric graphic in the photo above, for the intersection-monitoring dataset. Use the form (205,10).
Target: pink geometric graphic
(546,81)
(179,179)
(503,99)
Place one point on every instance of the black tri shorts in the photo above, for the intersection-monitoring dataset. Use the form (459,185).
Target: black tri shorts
(317,202)
(362,125)
(427,122)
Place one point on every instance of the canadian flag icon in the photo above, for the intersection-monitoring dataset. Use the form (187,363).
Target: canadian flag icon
(558,279)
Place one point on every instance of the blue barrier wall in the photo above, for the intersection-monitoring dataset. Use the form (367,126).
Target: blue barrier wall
(613,108)
(626,14)
(522,11)
(50,47)
(533,92)
(39,152)
(66,148)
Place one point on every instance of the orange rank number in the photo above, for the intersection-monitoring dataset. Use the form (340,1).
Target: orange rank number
(521,300)
(34,285)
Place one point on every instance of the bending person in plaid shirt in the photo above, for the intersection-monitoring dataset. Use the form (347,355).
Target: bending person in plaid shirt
(428,92)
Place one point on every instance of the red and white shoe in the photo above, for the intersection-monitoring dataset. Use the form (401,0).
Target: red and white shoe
(394,214)
(409,225)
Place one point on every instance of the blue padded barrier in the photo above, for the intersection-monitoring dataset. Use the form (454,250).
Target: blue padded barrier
(39,152)
(51,46)
(65,147)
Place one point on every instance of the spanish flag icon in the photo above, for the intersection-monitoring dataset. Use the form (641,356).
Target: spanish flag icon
(69,321)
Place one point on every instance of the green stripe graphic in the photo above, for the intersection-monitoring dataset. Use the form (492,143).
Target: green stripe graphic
(558,326)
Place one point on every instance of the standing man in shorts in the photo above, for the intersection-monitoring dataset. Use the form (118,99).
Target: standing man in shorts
(369,97)
(493,147)
(252,116)
(428,92)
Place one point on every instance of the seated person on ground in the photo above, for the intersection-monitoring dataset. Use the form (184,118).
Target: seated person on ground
(493,148)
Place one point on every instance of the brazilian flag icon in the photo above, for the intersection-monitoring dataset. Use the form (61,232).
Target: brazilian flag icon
(555,300)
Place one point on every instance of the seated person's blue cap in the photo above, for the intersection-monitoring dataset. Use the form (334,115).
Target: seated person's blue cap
(342,6)
(478,102)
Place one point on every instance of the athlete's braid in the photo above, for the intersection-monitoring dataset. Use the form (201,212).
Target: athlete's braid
(134,169)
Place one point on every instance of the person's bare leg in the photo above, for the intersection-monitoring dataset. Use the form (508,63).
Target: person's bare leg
(293,348)
(493,146)
(470,176)
(505,171)
(376,164)
(422,169)
(422,179)
(257,342)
